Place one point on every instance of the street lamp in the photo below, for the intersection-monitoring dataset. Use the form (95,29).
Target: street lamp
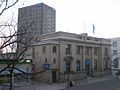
(68,70)
(68,62)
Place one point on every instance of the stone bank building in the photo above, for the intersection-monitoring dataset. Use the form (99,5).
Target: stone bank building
(60,55)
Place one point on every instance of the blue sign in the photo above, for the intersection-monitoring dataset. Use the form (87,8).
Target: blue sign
(87,62)
(46,66)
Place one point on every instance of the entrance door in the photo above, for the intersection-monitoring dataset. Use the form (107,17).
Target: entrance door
(53,76)
(87,68)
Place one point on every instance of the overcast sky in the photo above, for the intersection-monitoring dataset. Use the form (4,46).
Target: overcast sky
(77,16)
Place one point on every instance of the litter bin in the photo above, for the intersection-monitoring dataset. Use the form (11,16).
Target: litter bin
(71,84)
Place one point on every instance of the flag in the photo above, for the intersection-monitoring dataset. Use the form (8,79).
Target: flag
(93,28)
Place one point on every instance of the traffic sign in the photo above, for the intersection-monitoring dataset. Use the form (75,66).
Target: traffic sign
(46,66)
(87,61)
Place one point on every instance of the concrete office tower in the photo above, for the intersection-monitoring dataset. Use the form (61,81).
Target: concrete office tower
(36,20)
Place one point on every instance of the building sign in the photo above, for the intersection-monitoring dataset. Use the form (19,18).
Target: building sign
(87,61)
(46,66)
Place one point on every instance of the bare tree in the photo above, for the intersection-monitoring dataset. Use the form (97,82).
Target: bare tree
(6,4)
(9,41)
(15,44)
(9,44)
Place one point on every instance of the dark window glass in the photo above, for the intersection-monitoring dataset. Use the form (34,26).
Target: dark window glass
(115,62)
(68,49)
(77,65)
(68,67)
(78,50)
(87,51)
(54,49)
(45,60)
(106,51)
(95,51)
(114,52)
(114,44)
(43,49)
(54,60)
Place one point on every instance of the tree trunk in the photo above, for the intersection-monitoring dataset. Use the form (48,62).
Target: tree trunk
(11,81)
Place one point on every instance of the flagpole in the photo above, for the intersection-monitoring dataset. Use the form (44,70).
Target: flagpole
(84,26)
(84,30)
(93,29)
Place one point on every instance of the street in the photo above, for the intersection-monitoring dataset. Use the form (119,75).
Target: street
(112,84)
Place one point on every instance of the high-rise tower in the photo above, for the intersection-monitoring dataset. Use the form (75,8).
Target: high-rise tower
(36,20)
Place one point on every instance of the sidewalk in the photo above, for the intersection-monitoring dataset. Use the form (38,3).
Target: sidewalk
(60,86)
(91,80)
(43,86)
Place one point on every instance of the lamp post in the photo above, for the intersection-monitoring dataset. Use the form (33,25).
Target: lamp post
(68,70)
(68,62)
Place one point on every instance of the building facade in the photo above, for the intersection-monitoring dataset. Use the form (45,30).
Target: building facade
(115,55)
(67,56)
(36,20)
(40,18)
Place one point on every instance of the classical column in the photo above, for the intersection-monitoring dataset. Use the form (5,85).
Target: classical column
(92,59)
(83,59)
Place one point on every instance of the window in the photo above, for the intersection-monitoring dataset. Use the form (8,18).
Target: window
(95,64)
(106,52)
(43,49)
(115,63)
(87,51)
(78,50)
(77,65)
(88,38)
(114,44)
(68,49)
(54,60)
(114,52)
(95,51)
(45,60)
(68,67)
(54,49)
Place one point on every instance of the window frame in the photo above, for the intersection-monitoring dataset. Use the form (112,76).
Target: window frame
(114,52)
(114,44)
(78,50)
(68,49)
(78,65)
(43,49)
(54,49)
(95,51)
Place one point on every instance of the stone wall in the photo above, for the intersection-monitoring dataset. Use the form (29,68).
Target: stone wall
(73,76)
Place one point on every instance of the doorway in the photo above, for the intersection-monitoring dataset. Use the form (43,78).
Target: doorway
(54,76)
(87,68)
